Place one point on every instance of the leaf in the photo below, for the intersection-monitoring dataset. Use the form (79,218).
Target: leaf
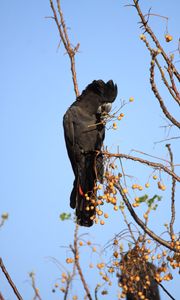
(143,198)
(65,216)
(152,200)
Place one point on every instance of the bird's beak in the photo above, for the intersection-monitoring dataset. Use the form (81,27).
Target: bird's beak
(105,108)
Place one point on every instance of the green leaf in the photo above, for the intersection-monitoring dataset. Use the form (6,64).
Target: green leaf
(65,216)
(152,200)
(143,198)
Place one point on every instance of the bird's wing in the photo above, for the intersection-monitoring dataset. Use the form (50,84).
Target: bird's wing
(68,125)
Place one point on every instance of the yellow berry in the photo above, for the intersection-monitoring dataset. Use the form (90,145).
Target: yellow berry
(163,187)
(142,37)
(5,216)
(168,38)
(137,278)
(164,253)
(99,212)
(134,186)
(145,216)
(131,99)
(116,254)
(173,237)
(114,126)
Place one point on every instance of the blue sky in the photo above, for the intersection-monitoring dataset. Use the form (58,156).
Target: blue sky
(36,89)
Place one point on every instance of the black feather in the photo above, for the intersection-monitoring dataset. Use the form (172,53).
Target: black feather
(84,138)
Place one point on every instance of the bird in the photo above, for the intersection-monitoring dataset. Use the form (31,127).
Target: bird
(84,133)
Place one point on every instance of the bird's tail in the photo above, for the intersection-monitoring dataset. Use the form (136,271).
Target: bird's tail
(81,200)
(83,195)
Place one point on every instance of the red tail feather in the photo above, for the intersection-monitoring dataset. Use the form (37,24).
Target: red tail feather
(81,191)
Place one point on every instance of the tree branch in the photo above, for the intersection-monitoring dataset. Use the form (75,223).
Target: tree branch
(1,297)
(154,38)
(4,270)
(173,212)
(140,223)
(66,42)
(143,161)
(157,95)
(36,290)
(76,257)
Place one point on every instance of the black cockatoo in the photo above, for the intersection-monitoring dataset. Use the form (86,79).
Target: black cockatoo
(84,133)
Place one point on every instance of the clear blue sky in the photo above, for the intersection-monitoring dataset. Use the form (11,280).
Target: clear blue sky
(35,91)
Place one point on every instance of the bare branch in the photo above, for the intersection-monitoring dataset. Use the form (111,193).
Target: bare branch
(61,25)
(140,223)
(172,193)
(166,291)
(158,96)
(154,38)
(1,297)
(76,257)
(169,139)
(143,161)
(128,225)
(4,270)
(172,90)
(36,290)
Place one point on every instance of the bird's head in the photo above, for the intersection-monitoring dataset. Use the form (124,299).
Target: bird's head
(109,94)
(98,96)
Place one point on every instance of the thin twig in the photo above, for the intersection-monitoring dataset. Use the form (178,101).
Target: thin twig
(172,89)
(158,96)
(156,15)
(4,270)
(166,291)
(69,279)
(169,139)
(173,211)
(152,156)
(154,38)
(76,258)
(36,290)
(1,297)
(143,161)
(61,25)
(96,292)
(140,222)
(128,225)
